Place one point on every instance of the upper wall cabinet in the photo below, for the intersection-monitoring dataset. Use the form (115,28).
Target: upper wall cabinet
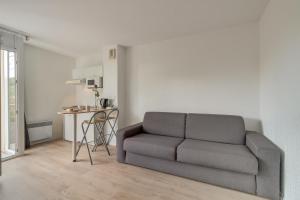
(87,72)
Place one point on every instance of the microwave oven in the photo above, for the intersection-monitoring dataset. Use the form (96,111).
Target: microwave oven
(96,82)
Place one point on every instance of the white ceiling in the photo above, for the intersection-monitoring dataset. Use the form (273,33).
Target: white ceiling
(82,27)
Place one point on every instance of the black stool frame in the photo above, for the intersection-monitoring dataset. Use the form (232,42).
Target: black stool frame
(99,124)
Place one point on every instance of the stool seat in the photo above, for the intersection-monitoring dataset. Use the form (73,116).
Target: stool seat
(98,120)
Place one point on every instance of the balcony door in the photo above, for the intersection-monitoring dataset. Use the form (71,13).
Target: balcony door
(9,112)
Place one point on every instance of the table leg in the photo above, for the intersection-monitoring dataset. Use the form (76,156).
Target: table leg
(74,146)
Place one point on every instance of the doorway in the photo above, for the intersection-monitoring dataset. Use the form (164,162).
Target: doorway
(9,128)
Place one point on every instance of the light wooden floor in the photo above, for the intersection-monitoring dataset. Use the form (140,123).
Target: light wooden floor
(47,173)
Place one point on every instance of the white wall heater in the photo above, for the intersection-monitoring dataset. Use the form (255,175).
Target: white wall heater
(39,131)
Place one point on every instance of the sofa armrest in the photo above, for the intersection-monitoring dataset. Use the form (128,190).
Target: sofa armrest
(124,133)
(268,154)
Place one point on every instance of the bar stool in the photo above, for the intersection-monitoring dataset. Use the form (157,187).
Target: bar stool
(113,115)
(111,119)
(98,120)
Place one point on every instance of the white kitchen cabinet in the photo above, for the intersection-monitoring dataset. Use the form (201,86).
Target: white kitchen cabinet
(87,72)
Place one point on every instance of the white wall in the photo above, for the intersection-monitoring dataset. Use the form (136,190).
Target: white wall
(121,59)
(215,72)
(45,89)
(114,82)
(280,85)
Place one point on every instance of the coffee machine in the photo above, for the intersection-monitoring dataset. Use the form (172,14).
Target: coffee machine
(104,102)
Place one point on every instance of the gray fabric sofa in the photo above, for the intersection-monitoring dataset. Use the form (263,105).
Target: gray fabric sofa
(215,149)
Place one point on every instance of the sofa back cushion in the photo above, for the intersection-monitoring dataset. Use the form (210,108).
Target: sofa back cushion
(163,123)
(216,128)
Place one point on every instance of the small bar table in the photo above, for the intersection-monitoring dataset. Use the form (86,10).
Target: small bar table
(75,113)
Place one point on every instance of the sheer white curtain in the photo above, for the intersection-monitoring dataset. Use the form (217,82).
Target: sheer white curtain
(15,42)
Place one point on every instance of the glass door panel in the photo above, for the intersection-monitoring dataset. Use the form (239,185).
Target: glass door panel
(12,106)
(8,104)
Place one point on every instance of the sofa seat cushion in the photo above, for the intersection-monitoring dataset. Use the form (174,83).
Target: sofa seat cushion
(229,157)
(153,145)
